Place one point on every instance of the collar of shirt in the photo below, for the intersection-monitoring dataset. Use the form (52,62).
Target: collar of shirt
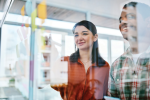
(128,53)
(79,61)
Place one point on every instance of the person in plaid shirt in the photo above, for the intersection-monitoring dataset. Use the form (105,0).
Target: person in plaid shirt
(130,73)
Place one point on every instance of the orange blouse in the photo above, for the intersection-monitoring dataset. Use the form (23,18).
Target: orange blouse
(85,86)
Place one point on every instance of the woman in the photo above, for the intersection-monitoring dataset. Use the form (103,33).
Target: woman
(88,72)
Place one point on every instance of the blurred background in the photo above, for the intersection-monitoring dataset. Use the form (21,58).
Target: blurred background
(36,32)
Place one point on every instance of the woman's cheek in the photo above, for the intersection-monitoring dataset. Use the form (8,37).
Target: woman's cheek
(76,42)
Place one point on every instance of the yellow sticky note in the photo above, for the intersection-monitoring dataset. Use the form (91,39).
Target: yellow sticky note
(33,18)
(22,11)
(43,40)
(42,13)
(42,29)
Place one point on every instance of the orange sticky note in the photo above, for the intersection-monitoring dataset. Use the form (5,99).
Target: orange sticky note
(22,11)
(42,13)
(27,22)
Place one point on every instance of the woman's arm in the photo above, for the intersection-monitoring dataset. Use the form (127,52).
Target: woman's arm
(62,88)
(59,76)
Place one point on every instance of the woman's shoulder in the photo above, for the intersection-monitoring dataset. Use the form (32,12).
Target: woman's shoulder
(105,68)
(106,65)
(65,58)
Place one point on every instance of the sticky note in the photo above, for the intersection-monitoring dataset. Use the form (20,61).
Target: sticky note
(42,13)
(33,18)
(27,22)
(28,7)
(22,11)
(43,40)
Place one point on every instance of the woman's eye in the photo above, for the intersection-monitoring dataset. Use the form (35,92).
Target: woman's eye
(75,35)
(84,33)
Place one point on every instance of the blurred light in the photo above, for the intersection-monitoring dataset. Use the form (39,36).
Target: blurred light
(60,24)
(1,15)
(108,31)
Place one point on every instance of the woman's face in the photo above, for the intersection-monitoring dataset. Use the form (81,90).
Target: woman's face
(84,38)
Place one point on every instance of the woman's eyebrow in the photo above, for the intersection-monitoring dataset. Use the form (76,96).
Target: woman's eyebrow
(76,33)
(84,31)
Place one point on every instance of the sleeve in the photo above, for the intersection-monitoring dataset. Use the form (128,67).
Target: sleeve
(112,90)
(60,84)
(62,89)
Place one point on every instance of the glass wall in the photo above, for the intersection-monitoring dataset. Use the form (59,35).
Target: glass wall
(115,53)
(15,62)
(32,46)
(103,48)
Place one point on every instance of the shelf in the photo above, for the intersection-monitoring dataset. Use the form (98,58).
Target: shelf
(45,68)
(45,51)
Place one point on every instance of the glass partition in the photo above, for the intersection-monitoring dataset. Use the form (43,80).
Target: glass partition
(103,48)
(117,49)
(39,39)
(15,62)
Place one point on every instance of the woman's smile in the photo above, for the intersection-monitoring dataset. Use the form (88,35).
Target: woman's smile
(83,38)
(81,43)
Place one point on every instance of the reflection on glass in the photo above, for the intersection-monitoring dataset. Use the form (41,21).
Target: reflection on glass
(130,73)
(69,45)
(76,76)
(49,45)
(50,70)
(103,48)
(117,49)
(15,62)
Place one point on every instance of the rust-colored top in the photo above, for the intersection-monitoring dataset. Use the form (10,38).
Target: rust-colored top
(92,85)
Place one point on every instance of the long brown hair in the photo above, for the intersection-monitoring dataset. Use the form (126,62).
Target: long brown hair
(96,58)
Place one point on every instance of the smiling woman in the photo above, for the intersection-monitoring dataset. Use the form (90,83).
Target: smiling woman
(87,71)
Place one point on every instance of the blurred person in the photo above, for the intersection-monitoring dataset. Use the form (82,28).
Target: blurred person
(130,73)
(88,72)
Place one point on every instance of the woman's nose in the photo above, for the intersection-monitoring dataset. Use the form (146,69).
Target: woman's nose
(80,37)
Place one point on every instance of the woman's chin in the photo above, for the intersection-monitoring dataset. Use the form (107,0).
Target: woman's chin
(83,48)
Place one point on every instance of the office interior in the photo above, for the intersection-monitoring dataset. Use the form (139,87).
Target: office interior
(20,31)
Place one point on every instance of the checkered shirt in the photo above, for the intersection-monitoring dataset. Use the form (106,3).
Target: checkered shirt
(129,81)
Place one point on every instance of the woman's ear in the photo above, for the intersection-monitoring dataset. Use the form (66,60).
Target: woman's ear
(95,37)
